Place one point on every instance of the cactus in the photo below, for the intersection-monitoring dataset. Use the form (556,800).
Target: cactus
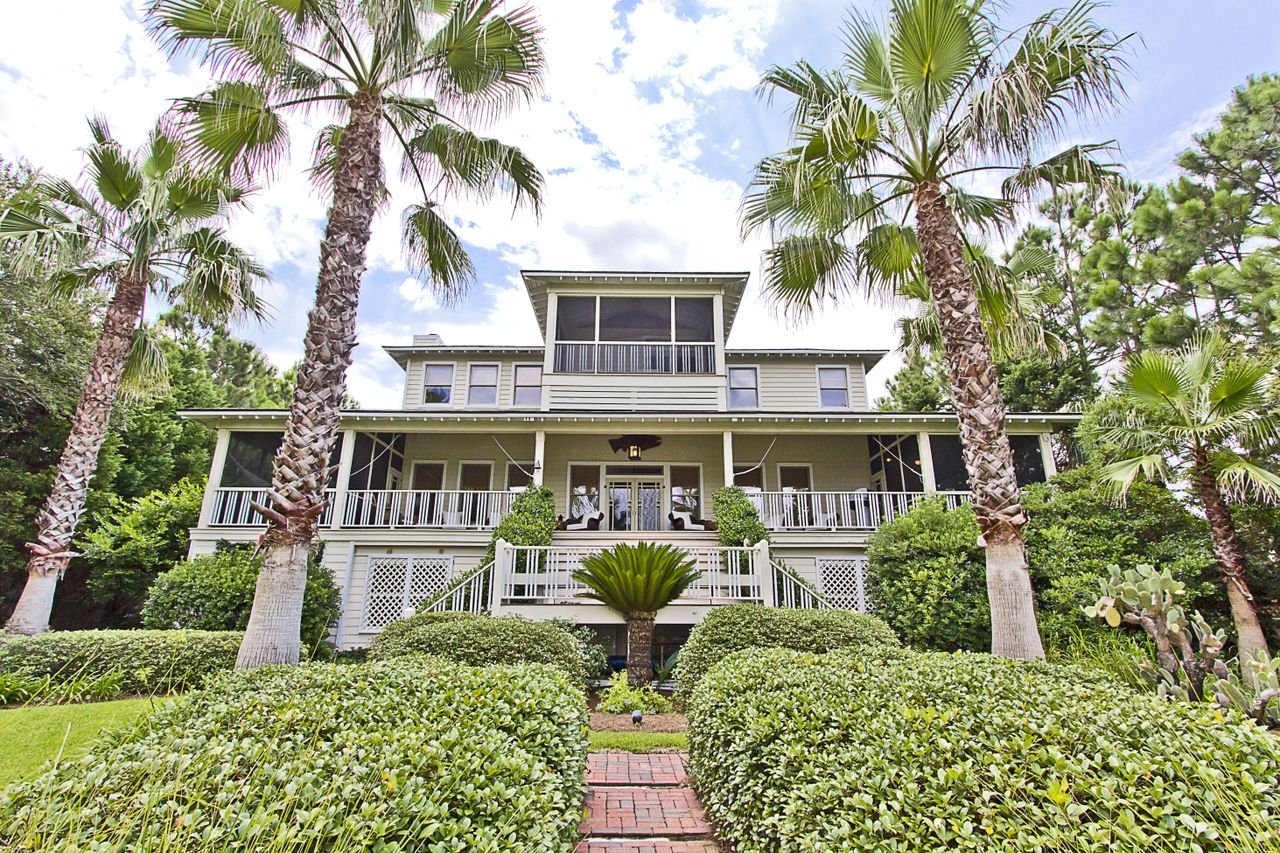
(1257,694)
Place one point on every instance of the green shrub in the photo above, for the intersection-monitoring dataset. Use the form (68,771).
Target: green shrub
(622,698)
(931,751)
(215,593)
(742,626)
(147,661)
(595,661)
(481,641)
(737,519)
(412,754)
(927,578)
(532,520)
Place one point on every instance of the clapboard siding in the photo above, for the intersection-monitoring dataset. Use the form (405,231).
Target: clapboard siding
(791,384)
(416,372)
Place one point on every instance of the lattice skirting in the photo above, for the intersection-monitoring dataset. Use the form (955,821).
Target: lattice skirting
(843,580)
(395,585)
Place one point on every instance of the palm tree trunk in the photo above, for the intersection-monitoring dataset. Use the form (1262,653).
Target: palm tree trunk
(1226,547)
(640,648)
(57,521)
(980,411)
(302,463)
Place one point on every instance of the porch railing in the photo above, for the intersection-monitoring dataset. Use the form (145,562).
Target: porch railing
(858,510)
(789,590)
(233,507)
(543,574)
(617,358)
(426,509)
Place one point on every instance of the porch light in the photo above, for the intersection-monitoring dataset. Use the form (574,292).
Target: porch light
(633,453)
(634,445)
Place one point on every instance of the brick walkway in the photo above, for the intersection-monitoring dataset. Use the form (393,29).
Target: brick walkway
(640,804)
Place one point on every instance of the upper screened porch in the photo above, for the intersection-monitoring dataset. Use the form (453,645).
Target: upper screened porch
(616,476)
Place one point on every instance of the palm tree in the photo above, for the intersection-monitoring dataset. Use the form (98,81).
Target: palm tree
(1188,414)
(638,581)
(938,96)
(146,222)
(402,71)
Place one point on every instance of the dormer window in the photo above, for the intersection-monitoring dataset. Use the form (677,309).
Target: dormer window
(635,334)
(438,384)
(833,387)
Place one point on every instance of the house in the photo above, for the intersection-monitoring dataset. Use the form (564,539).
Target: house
(633,414)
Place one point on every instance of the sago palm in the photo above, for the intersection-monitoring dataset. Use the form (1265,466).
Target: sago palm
(1189,414)
(936,99)
(145,222)
(412,73)
(638,581)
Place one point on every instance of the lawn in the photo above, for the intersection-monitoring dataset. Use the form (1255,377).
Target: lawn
(638,741)
(31,735)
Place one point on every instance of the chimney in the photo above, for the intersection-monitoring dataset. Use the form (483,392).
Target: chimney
(431,340)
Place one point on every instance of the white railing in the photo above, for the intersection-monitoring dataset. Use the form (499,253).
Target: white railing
(467,594)
(438,509)
(790,591)
(233,507)
(618,358)
(860,510)
(543,574)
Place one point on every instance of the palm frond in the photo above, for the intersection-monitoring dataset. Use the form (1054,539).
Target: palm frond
(1242,480)
(1155,378)
(434,252)
(478,165)
(1123,473)
(145,373)
(1075,166)
(219,279)
(803,271)
(234,129)
(113,173)
(933,48)
(483,63)
(239,38)
(640,578)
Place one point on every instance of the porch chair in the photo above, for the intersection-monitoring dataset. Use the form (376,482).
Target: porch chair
(685,521)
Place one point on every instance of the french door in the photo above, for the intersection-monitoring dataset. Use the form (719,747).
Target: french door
(635,503)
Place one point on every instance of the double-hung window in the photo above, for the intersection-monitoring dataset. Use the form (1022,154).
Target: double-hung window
(482,389)
(744,388)
(438,384)
(833,387)
(528,386)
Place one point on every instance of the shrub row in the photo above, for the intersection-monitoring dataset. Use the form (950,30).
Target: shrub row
(480,640)
(412,754)
(932,751)
(146,661)
(742,626)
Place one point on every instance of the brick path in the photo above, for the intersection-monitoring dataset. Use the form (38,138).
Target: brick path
(640,804)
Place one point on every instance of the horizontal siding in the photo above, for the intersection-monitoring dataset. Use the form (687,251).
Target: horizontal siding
(622,397)
(791,384)
(416,372)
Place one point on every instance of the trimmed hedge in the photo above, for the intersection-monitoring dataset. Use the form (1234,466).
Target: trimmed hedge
(480,640)
(147,661)
(933,751)
(412,754)
(743,626)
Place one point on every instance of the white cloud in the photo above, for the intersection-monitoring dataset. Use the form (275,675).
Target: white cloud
(418,295)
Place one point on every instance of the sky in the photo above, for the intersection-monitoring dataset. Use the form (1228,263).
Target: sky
(647,132)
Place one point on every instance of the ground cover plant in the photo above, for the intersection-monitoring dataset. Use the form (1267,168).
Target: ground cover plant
(481,640)
(145,662)
(930,751)
(742,626)
(412,754)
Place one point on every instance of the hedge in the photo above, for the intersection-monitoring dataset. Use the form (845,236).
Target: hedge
(412,754)
(932,751)
(742,626)
(481,640)
(147,661)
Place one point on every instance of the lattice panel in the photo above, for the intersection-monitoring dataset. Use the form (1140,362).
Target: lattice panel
(843,580)
(395,585)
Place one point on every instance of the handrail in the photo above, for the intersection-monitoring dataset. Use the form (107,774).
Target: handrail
(233,506)
(790,590)
(469,593)
(440,508)
(848,510)
(617,357)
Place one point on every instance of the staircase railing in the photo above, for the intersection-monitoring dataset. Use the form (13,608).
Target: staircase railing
(790,590)
(467,594)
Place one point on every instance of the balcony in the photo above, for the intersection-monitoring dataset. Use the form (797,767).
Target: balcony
(634,358)
(856,510)
(233,507)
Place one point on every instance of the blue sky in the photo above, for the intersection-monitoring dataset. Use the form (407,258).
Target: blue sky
(647,133)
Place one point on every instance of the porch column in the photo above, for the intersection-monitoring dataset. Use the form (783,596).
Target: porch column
(539,455)
(498,580)
(549,335)
(764,569)
(344,475)
(728,458)
(926,462)
(1046,455)
(215,476)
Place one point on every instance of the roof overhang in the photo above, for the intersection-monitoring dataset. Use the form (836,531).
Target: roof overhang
(871,357)
(402,353)
(539,282)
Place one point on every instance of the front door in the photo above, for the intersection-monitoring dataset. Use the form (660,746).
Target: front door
(635,503)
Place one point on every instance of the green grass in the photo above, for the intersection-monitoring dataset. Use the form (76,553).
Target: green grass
(33,734)
(638,741)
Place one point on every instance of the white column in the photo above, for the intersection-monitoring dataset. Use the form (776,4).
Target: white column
(501,558)
(1046,455)
(549,337)
(728,458)
(215,476)
(339,510)
(717,326)
(926,462)
(764,568)
(539,455)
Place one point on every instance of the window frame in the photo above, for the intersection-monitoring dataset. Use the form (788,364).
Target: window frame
(728,386)
(671,334)
(463,463)
(453,378)
(568,484)
(528,466)
(515,383)
(413,473)
(848,392)
(497,383)
(702,496)
(764,478)
(806,466)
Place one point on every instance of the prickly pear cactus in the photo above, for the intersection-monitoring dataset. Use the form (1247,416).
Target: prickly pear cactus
(1257,694)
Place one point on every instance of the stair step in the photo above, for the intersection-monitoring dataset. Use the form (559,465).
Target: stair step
(628,768)
(630,812)
(646,845)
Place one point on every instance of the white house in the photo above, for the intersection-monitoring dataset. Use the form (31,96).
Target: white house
(633,413)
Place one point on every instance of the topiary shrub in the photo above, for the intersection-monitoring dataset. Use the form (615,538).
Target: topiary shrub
(928,578)
(215,593)
(411,754)
(481,641)
(742,626)
(931,751)
(737,519)
(146,661)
